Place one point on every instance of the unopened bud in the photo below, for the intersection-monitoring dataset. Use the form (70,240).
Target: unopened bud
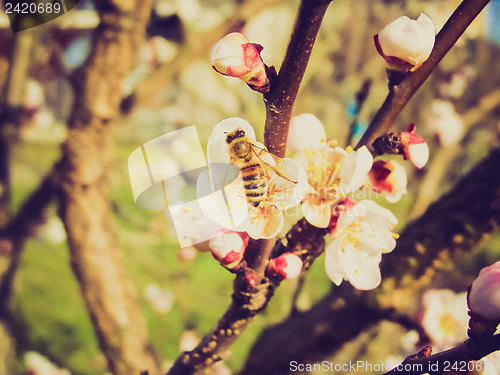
(228,248)
(483,299)
(287,265)
(405,44)
(415,148)
(235,56)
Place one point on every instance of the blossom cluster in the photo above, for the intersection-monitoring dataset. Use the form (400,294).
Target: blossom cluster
(360,231)
(247,189)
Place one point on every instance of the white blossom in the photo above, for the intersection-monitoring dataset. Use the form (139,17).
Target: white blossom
(389,178)
(362,234)
(332,173)
(445,317)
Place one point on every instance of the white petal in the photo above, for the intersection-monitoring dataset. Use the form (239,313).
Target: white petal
(293,266)
(333,266)
(354,170)
(229,46)
(318,215)
(373,208)
(290,194)
(306,131)
(362,270)
(408,40)
(213,202)
(264,222)
(418,154)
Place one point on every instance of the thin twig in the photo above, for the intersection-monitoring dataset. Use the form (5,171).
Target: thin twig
(457,357)
(400,95)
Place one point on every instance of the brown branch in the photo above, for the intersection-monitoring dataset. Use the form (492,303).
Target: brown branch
(400,94)
(279,101)
(85,208)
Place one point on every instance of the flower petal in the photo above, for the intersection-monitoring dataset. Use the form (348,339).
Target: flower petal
(265,222)
(333,266)
(306,132)
(227,206)
(354,170)
(362,270)
(318,215)
(290,193)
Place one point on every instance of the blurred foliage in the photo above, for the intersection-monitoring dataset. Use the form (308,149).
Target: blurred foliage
(50,316)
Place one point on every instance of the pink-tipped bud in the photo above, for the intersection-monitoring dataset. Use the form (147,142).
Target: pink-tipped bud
(483,297)
(405,44)
(228,248)
(415,148)
(389,178)
(235,56)
(287,266)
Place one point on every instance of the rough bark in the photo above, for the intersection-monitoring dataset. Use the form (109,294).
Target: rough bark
(87,158)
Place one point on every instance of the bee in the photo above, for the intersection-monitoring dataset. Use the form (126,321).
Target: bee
(256,164)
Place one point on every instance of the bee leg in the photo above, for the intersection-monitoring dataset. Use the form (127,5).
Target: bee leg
(278,169)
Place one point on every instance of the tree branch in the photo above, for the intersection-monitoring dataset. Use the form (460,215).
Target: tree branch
(279,101)
(400,94)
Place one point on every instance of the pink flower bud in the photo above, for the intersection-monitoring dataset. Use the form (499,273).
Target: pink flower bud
(387,177)
(484,294)
(405,44)
(228,248)
(287,265)
(415,148)
(235,56)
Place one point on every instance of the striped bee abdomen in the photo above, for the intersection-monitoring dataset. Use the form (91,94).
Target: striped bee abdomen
(255,183)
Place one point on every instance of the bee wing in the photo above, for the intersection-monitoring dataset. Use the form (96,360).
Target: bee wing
(270,161)
(232,172)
